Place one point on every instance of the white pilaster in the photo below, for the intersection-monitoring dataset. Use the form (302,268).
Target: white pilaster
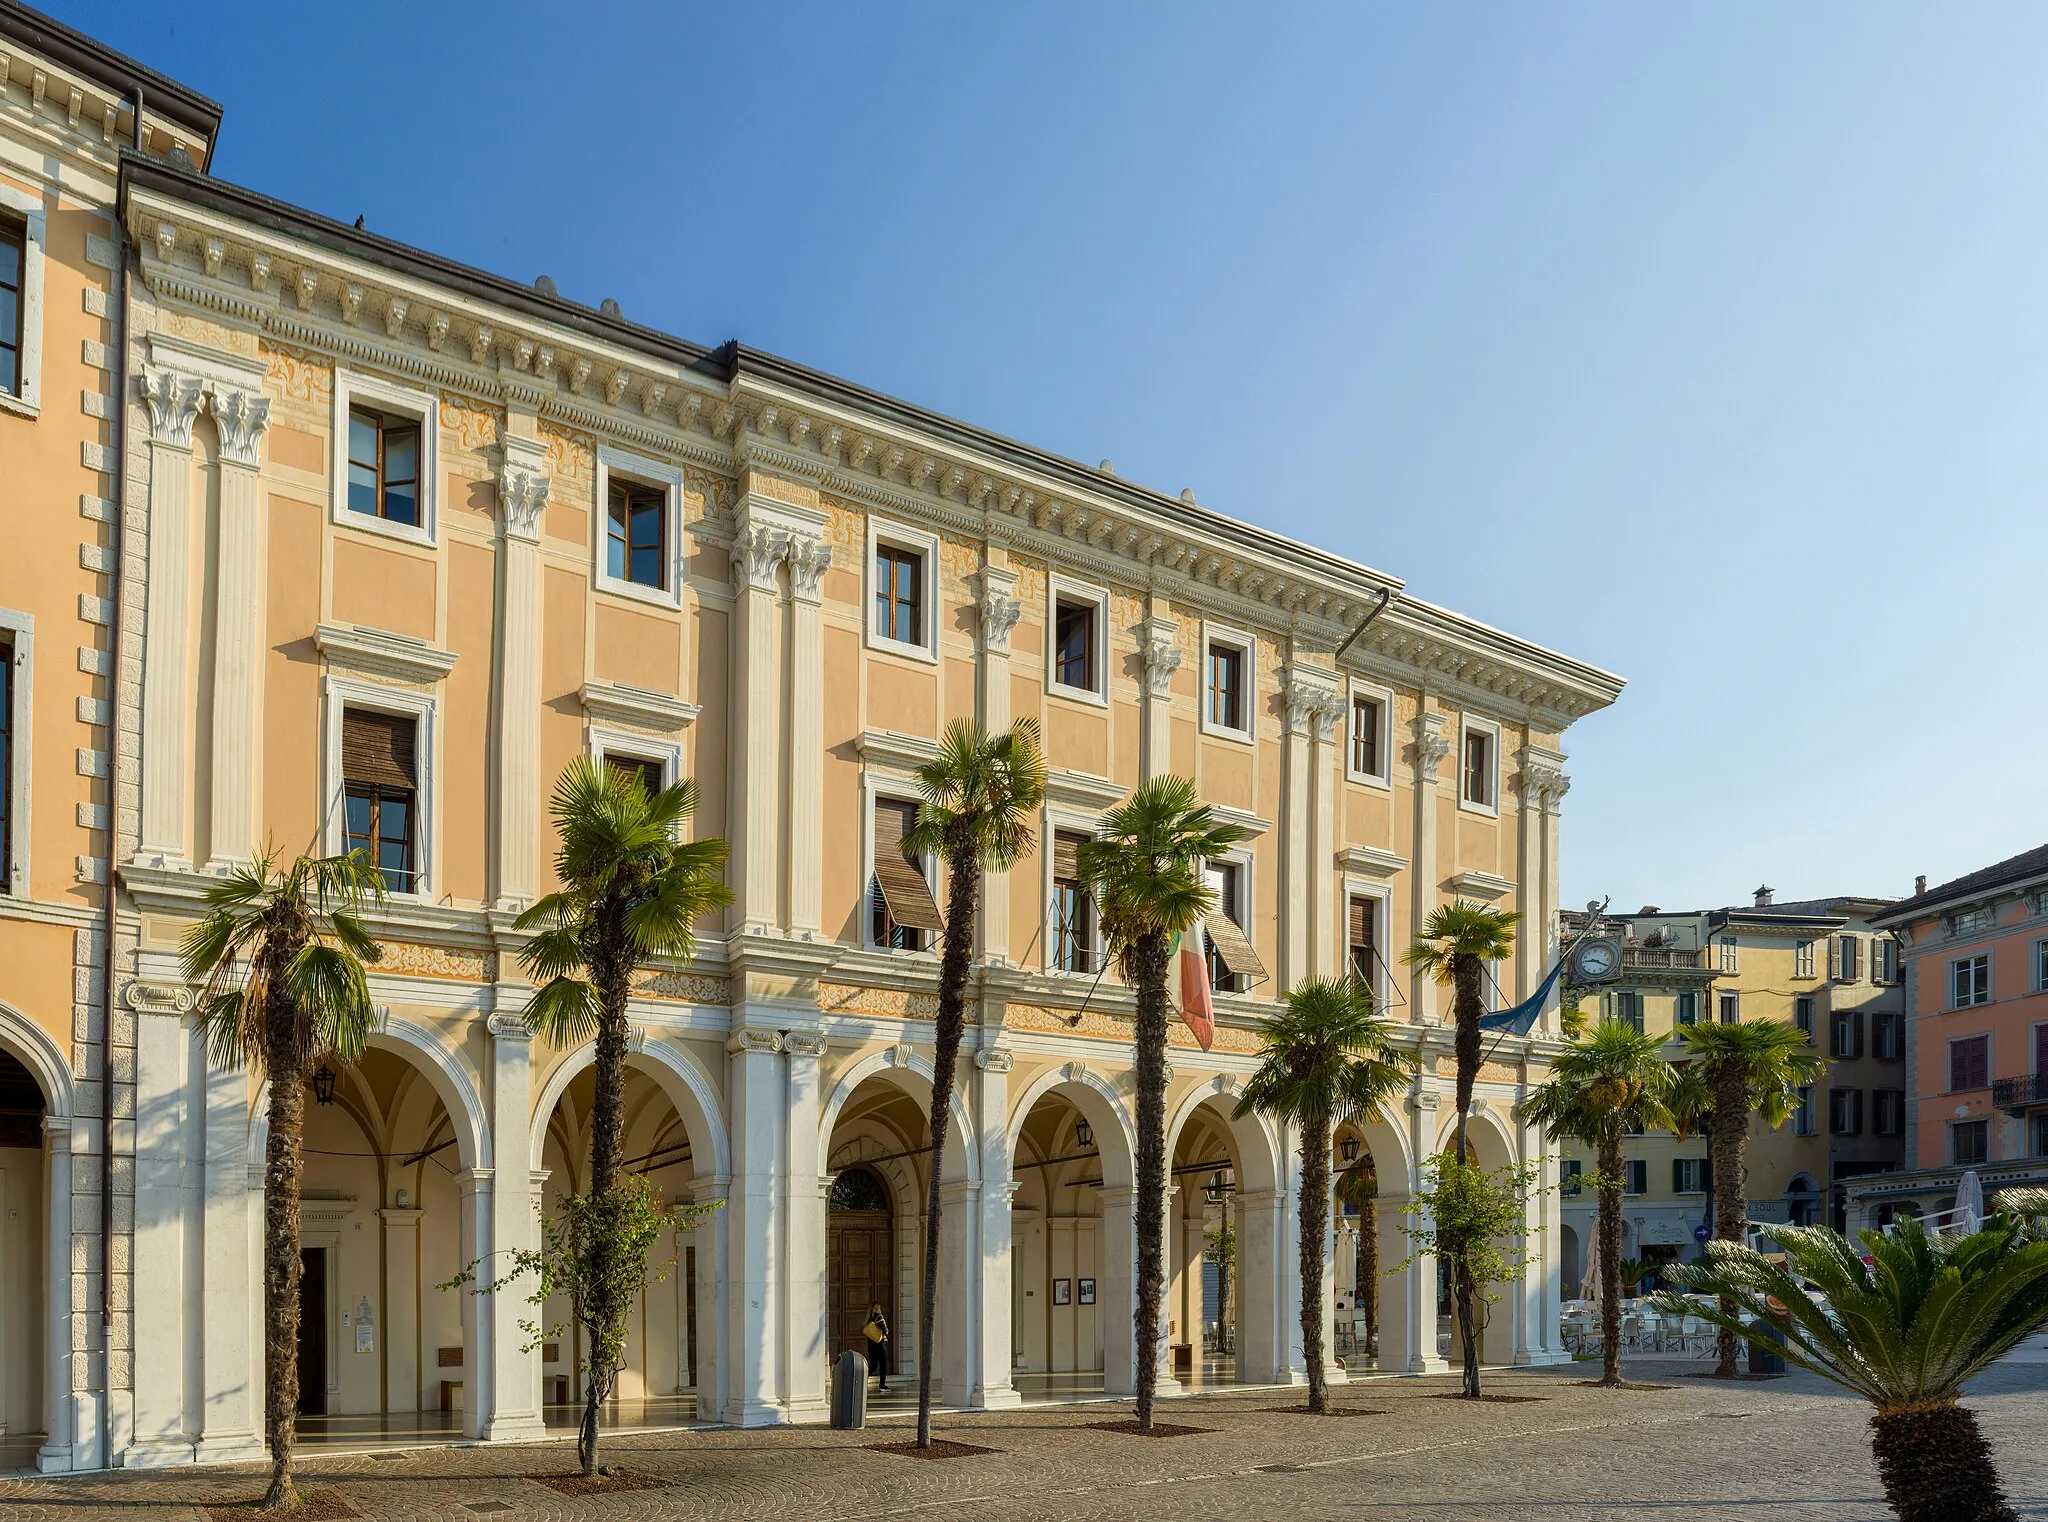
(1424,873)
(55,1456)
(1553,799)
(1418,1286)
(1158,639)
(991,1386)
(158,1283)
(715,1299)
(960,1290)
(514,1410)
(999,609)
(807,1322)
(401,1308)
(522,498)
(173,400)
(1118,1292)
(230,1429)
(474,1228)
(754,1258)
(236,772)
(1267,1340)
(810,556)
(1532,945)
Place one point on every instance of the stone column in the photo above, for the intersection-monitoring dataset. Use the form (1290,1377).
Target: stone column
(994,1356)
(173,399)
(807,1323)
(514,1410)
(231,1428)
(960,1290)
(1418,1288)
(999,611)
(1533,954)
(522,497)
(1117,1294)
(714,1308)
(1536,1327)
(1157,637)
(810,556)
(1297,874)
(55,1456)
(165,1183)
(474,1228)
(755,1090)
(236,764)
(401,1309)
(1194,1242)
(1265,1290)
(1430,749)
(1327,927)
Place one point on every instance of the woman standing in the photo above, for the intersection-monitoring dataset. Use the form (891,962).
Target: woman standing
(877,1333)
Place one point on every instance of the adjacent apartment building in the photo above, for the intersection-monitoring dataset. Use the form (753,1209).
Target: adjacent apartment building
(327,542)
(1822,964)
(1976,959)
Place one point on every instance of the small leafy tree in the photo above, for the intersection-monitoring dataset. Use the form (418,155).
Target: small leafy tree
(1904,1331)
(1220,1248)
(1467,1216)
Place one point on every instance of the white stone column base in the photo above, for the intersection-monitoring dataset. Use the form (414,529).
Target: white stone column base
(997,1398)
(157,1453)
(523,1427)
(1336,1374)
(756,1413)
(1430,1363)
(241,1449)
(808,1409)
(1544,1360)
(53,1458)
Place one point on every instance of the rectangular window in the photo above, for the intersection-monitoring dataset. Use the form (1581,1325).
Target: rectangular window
(1884,959)
(2040,1134)
(1845,1034)
(1729,961)
(1365,736)
(1686,1008)
(1364,940)
(1628,1009)
(1802,1014)
(13,301)
(1569,1171)
(903,912)
(1848,958)
(1688,1175)
(1074,656)
(1233,964)
(2041,966)
(1970,981)
(1731,1009)
(380,793)
(1972,1142)
(1884,1034)
(7,761)
(1802,960)
(384,466)
(899,599)
(638,769)
(1478,770)
(1635,1176)
(636,548)
(1802,1112)
(1225,686)
(2041,1050)
(1845,1112)
(1073,912)
(1887,1112)
(1970,921)
(1969,1063)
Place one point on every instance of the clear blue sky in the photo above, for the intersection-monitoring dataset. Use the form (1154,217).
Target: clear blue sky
(1708,344)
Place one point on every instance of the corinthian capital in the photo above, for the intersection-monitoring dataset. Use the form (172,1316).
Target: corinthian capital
(1162,654)
(522,487)
(241,417)
(173,399)
(998,606)
(810,557)
(1430,745)
(757,548)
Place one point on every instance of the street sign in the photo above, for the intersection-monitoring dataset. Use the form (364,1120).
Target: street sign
(1701,1232)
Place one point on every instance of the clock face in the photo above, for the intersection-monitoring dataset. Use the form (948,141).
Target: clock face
(1596,960)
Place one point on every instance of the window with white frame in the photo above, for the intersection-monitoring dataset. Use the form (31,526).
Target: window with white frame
(1848,958)
(1884,959)
(1887,1112)
(1234,965)
(1228,657)
(1075,945)
(1845,1034)
(1479,766)
(1802,1014)
(1845,1112)
(21,299)
(17,648)
(1685,1008)
(385,457)
(1971,921)
(1969,981)
(1569,1172)
(379,776)
(1076,657)
(2041,966)
(903,566)
(1884,1034)
(1363,939)
(639,527)
(1729,954)
(1628,1009)
(653,763)
(1802,960)
(1730,1009)
(1366,757)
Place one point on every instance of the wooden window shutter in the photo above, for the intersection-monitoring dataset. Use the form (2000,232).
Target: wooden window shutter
(379,748)
(1361,922)
(1232,945)
(1066,855)
(905,893)
(1856,1031)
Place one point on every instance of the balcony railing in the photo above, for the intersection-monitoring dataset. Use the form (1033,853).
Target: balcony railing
(2016,1094)
(1661,956)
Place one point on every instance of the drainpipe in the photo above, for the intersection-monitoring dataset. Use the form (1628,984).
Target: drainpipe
(117,426)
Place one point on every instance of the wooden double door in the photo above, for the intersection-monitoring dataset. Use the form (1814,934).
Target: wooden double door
(862,1247)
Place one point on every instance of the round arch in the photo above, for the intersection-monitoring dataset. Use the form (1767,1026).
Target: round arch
(1493,1146)
(1091,1094)
(443,1068)
(895,1064)
(674,1069)
(31,1044)
(1257,1140)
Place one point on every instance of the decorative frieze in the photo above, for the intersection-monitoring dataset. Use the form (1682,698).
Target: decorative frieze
(683,987)
(891,1003)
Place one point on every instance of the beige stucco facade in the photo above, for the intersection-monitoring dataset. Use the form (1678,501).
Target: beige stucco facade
(793,1053)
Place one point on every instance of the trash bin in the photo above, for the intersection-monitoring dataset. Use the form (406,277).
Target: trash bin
(850,1391)
(1763,1356)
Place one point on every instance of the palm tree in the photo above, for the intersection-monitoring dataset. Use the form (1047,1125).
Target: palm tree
(1328,1058)
(1905,1332)
(282,957)
(1457,941)
(1145,869)
(1744,1069)
(1358,1186)
(979,794)
(1602,1087)
(632,890)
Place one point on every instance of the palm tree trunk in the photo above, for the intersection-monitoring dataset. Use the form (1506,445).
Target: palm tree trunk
(1731,1194)
(604,1312)
(1315,1226)
(963,892)
(1147,966)
(1468,1003)
(1369,1271)
(1936,1466)
(282,1164)
(1610,1260)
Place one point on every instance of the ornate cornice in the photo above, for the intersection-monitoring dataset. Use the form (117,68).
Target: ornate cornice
(1485,887)
(1370,862)
(894,752)
(379,653)
(637,707)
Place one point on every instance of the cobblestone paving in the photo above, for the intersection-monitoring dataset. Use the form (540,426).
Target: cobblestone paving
(1788,1449)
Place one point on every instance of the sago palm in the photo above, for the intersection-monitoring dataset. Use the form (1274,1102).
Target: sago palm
(1328,1058)
(1606,1084)
(281,955)
(1146,870)
(1457,942)
(1752,1068)
(632,890)
(979,795)
(1905,1331)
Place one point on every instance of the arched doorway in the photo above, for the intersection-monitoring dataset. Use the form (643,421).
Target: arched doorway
(1802,1201)
(860,1248)
(1231,1275)
(24,1263)
(1356,1216)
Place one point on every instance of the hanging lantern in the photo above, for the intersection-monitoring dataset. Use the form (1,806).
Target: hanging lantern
(1084,1135)
(323,1085)
(1348,1150)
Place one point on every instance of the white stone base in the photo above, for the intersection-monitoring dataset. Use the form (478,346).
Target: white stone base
(156,1453)
(1000,1399)
(515,1429)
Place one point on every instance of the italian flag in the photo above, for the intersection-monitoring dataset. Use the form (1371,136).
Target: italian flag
(1187,984)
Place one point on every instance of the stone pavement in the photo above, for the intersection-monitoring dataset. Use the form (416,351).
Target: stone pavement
(1787,1449)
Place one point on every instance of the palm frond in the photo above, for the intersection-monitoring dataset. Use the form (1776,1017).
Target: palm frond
(556,952)
(564,1011)
(328,987)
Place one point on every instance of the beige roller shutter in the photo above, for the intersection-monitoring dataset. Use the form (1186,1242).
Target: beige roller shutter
(379,748)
